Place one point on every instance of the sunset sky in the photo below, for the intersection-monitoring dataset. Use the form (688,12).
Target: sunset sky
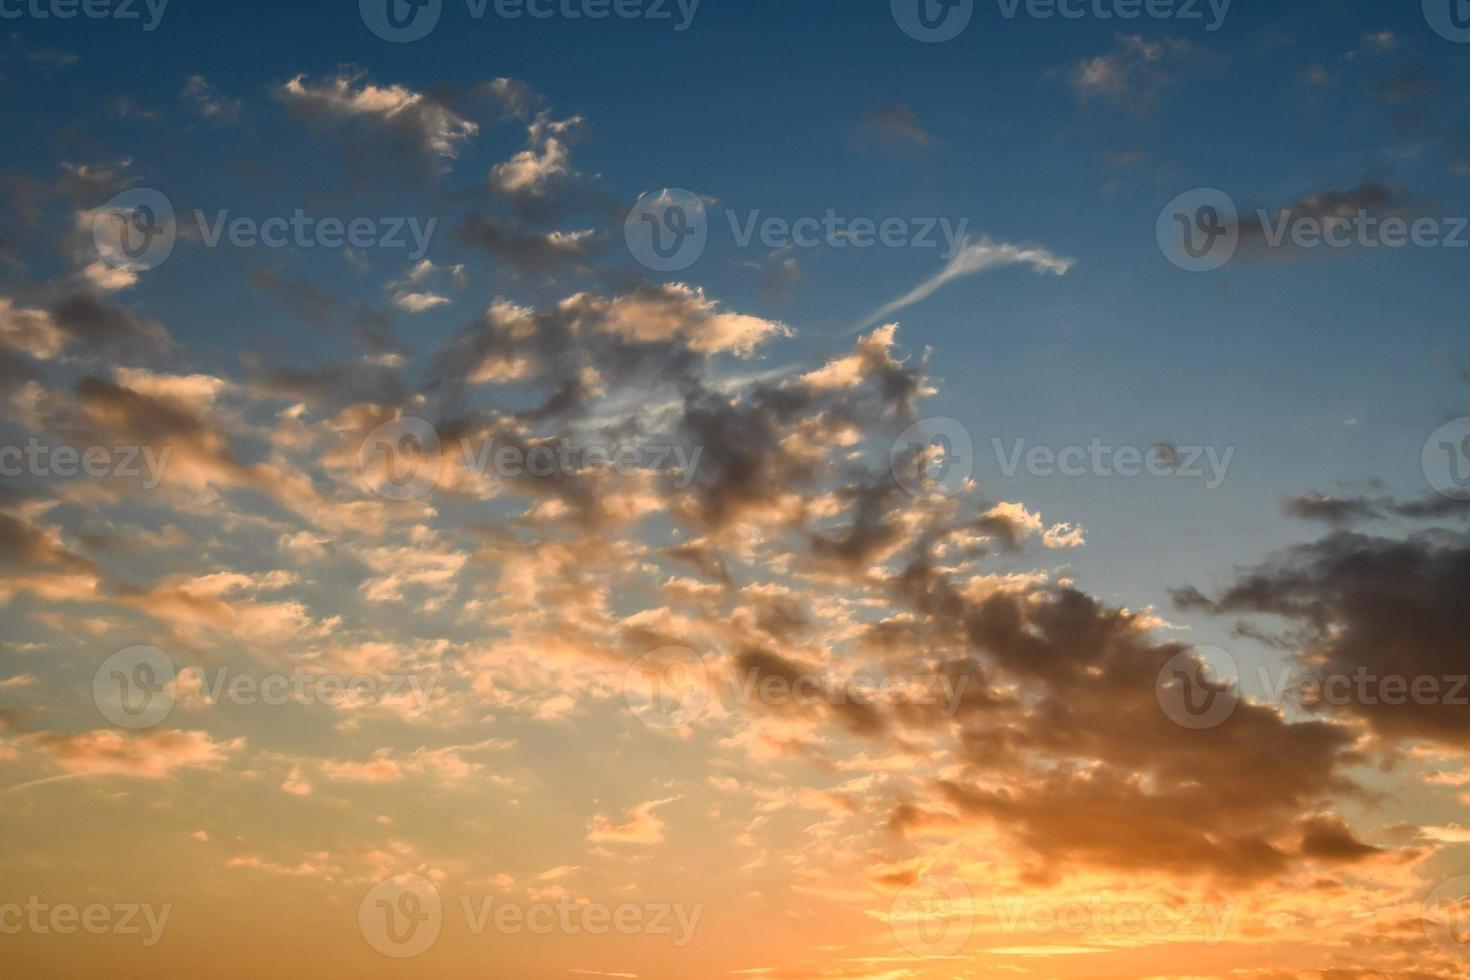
(738,488)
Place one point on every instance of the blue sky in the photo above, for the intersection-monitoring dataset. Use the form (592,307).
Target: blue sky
(762,106)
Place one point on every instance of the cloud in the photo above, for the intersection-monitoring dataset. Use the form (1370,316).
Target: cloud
(1134,74)
(534,170)
(1375,199)
(202,98)
(897,125)
(410,127)
(640,825)
(1376,607)
(152,755)
(1316,506)
(974,257)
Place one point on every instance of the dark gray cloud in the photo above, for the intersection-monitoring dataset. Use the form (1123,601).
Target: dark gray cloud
(1376,607)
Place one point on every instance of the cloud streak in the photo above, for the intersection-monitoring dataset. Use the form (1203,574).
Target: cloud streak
(973,257)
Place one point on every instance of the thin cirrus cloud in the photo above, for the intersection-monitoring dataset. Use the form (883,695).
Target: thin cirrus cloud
(974,257)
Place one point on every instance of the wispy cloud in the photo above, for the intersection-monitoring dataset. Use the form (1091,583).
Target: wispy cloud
(972,258)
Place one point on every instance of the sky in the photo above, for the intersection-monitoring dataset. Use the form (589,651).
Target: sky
(641,488)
